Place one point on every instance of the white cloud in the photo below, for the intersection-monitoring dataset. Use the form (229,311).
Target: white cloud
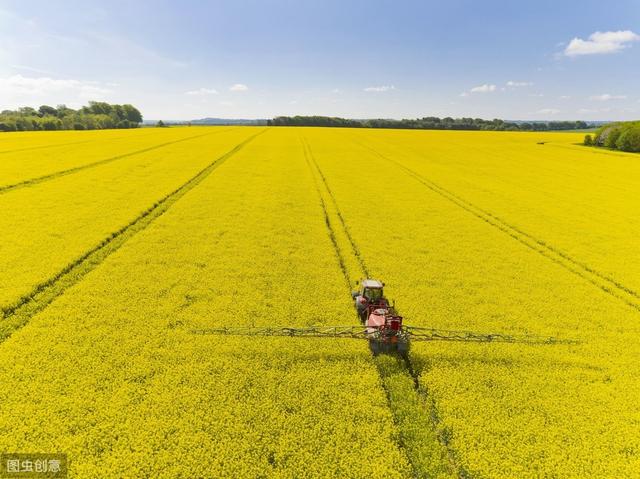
(607,97)
(380,88)
(601,43)
(19,90)
(548,111)
(564,97)
(202,91)
(486,88)
(238,87)
(519,83)
(226,103)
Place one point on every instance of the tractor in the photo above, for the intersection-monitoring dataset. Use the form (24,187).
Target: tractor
(383,325)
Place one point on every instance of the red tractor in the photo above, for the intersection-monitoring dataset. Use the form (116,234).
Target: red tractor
(384,326)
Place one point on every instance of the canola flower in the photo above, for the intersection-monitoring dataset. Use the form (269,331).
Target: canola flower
(583,204)
(45,227)
(505,410)
(119,383)
(28,157)
(110,373)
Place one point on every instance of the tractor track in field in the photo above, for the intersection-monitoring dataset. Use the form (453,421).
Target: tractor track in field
(408,370)
(52,176)
(354,247)
(17,315)
(602,281)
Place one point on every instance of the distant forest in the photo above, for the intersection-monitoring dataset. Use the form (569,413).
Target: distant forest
(95,116)
(430,123)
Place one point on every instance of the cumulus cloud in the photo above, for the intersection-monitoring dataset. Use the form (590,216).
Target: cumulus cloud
(519,83)
(381,88)
(238,87)
(202,91)
(486,88)
(548,111)
(19,88)
(600,43)
(607,97)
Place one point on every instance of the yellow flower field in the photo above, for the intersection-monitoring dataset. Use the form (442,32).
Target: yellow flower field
(49,225)
(489,232)
(24,161)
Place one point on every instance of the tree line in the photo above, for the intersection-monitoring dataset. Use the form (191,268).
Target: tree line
(429,123)
(623,136)
(95,116)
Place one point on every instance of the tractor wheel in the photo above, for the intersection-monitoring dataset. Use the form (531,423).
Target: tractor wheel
(374,346)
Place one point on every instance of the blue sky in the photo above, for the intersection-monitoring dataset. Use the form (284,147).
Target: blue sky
(357,59)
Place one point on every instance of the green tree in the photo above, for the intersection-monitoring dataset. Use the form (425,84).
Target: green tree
(64,110)
(46,110)
(98,108)
(629,139)
(50,123)
(132,114)
(7,126)
(612,138)
(27,111)
(588,140)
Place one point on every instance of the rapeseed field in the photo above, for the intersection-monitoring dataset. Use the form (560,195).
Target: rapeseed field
(117,246)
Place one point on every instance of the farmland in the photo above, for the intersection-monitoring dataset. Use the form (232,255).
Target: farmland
(117,245)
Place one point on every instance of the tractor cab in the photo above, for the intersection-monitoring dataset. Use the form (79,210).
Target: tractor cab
(369,297)
(372,290)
